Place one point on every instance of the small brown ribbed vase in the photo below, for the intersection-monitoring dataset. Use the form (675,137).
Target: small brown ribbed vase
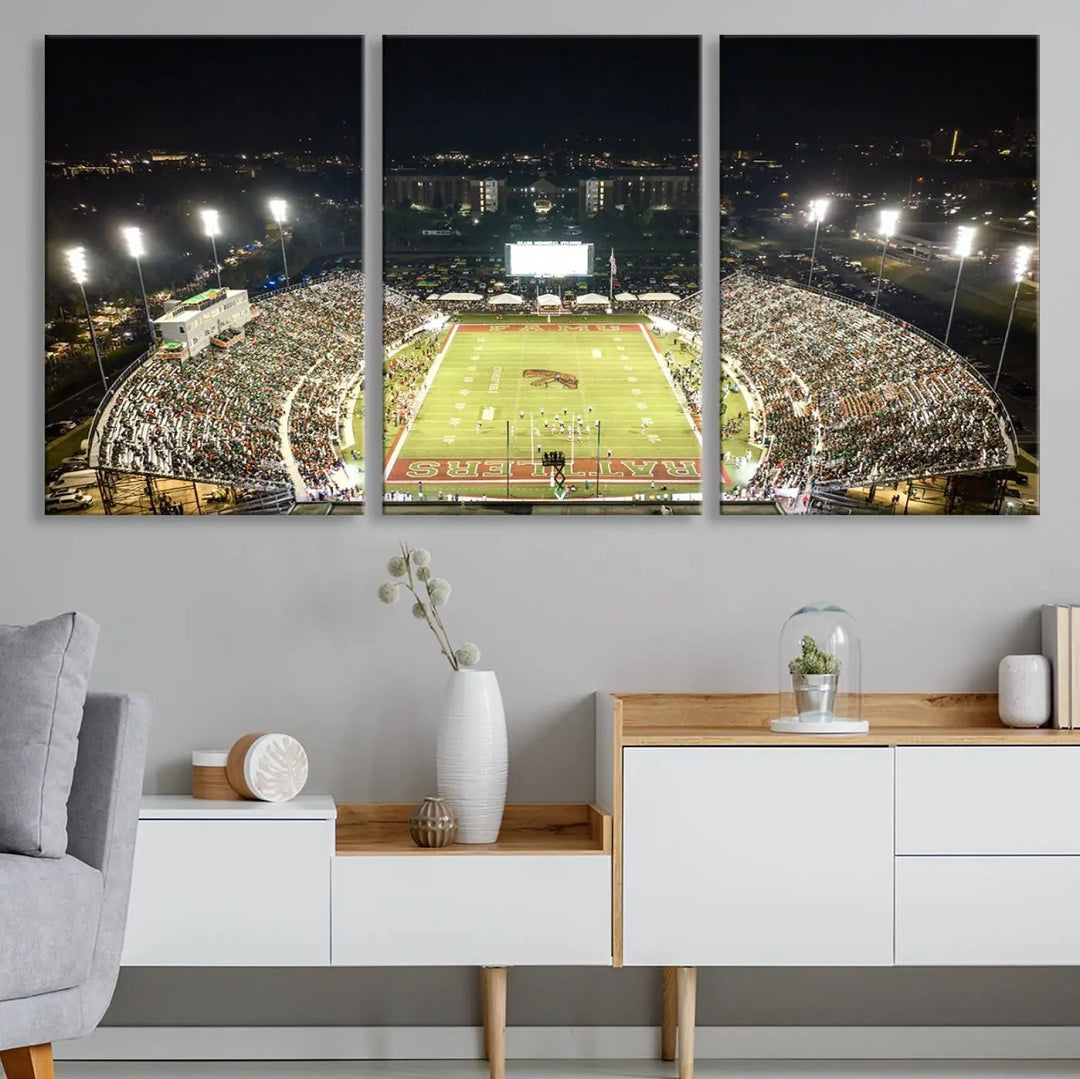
(432,824)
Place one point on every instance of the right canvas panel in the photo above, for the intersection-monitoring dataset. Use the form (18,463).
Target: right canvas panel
(879,281)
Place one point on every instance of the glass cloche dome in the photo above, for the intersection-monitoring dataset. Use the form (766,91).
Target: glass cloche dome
(820,673)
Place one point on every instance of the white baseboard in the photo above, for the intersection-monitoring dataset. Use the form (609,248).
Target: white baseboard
(573,1043)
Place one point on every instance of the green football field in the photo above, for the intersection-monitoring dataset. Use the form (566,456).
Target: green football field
(546,387)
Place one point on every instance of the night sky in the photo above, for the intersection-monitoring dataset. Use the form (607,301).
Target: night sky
(849,89)
(201,94)
(489,94)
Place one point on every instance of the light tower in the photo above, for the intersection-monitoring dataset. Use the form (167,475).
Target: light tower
(76,257)
(965,237)
(1021,263)
(133,236)
(277,208)
(818,209)
(889,219)
(212,228)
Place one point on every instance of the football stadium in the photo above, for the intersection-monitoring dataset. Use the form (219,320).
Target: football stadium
(543,394)
(823,396)
(266,416)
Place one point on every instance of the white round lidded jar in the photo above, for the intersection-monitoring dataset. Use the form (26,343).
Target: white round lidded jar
(1024,691)
(268,767)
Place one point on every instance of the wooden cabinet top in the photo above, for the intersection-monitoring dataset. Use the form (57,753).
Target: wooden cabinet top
(896,719)
(551,828)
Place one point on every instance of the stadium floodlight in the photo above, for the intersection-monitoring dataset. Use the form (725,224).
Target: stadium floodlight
(818,209)
(212,228)
(889,219)
(965,238)
(76,257)
(1021,265)
(277,208)
(133,236)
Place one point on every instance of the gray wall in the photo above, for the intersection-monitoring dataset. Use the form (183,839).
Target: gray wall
(235,625)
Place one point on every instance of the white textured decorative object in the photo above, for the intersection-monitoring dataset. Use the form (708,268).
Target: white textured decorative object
(470,758)
(268,767)
(1024,691)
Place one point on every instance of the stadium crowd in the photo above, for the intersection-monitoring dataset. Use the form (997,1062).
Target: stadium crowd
(220,416)
(850,396)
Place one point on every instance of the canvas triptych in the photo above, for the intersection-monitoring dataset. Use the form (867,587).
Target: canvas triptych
(547,345)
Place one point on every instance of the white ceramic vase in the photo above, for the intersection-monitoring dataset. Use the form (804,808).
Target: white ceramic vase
(1024,691)
(470,756)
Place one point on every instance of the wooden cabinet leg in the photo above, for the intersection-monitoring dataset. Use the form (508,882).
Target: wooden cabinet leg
(686,978)
(495,1020)
(484,993)
(31,1062)
(668,1013)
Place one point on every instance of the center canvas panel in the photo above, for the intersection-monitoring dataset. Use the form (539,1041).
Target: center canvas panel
(542,307)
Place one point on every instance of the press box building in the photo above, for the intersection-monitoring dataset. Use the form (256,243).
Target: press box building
(194,321)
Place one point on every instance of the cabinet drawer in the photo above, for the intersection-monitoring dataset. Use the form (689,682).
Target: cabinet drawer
(988,800)
(752,856)
(472,910)
(230,893)
(983,911)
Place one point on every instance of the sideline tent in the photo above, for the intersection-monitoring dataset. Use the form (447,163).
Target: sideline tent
(624,296)
(658,296)
(507,299)
(591,299)
(548,300)
(462,297)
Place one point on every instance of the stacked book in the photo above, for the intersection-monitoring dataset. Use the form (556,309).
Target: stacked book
(1061,645)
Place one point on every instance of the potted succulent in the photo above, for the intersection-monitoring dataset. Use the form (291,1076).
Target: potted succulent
(814,677)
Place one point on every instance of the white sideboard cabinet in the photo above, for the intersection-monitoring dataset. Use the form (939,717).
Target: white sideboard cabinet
(938,838)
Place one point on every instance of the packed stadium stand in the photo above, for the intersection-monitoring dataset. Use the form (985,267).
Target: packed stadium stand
(845,396)
(266,413)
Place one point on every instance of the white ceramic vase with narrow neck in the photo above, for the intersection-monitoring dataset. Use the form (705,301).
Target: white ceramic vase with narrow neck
(470,757)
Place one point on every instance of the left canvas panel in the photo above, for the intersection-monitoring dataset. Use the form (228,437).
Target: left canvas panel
(204,286)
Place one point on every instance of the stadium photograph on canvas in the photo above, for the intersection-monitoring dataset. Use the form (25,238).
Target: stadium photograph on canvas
(204,291)
(542,305)
(879,275)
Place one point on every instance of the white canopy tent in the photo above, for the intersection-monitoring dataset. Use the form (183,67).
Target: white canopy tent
(506,299)
(592,299)
(625,296)
(548,300)
(658,296)
(460,297)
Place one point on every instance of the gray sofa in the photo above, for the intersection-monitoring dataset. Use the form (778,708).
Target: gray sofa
(62,919)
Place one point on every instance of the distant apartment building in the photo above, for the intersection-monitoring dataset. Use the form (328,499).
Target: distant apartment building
(643,191)
(434,192)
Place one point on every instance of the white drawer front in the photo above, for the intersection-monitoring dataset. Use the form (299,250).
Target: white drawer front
(472,910)
(988,800)
(757,856)
(230,893)
(984,911)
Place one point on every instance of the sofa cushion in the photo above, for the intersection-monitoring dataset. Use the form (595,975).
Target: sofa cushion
(49,912)
(44,669)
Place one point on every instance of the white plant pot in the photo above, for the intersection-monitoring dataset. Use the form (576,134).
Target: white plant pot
(470,756)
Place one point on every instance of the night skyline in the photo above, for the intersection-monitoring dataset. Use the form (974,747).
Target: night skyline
(484,94)
(849,89)
(99,99)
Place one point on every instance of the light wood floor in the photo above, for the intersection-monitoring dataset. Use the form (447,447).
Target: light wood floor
(592,1069)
